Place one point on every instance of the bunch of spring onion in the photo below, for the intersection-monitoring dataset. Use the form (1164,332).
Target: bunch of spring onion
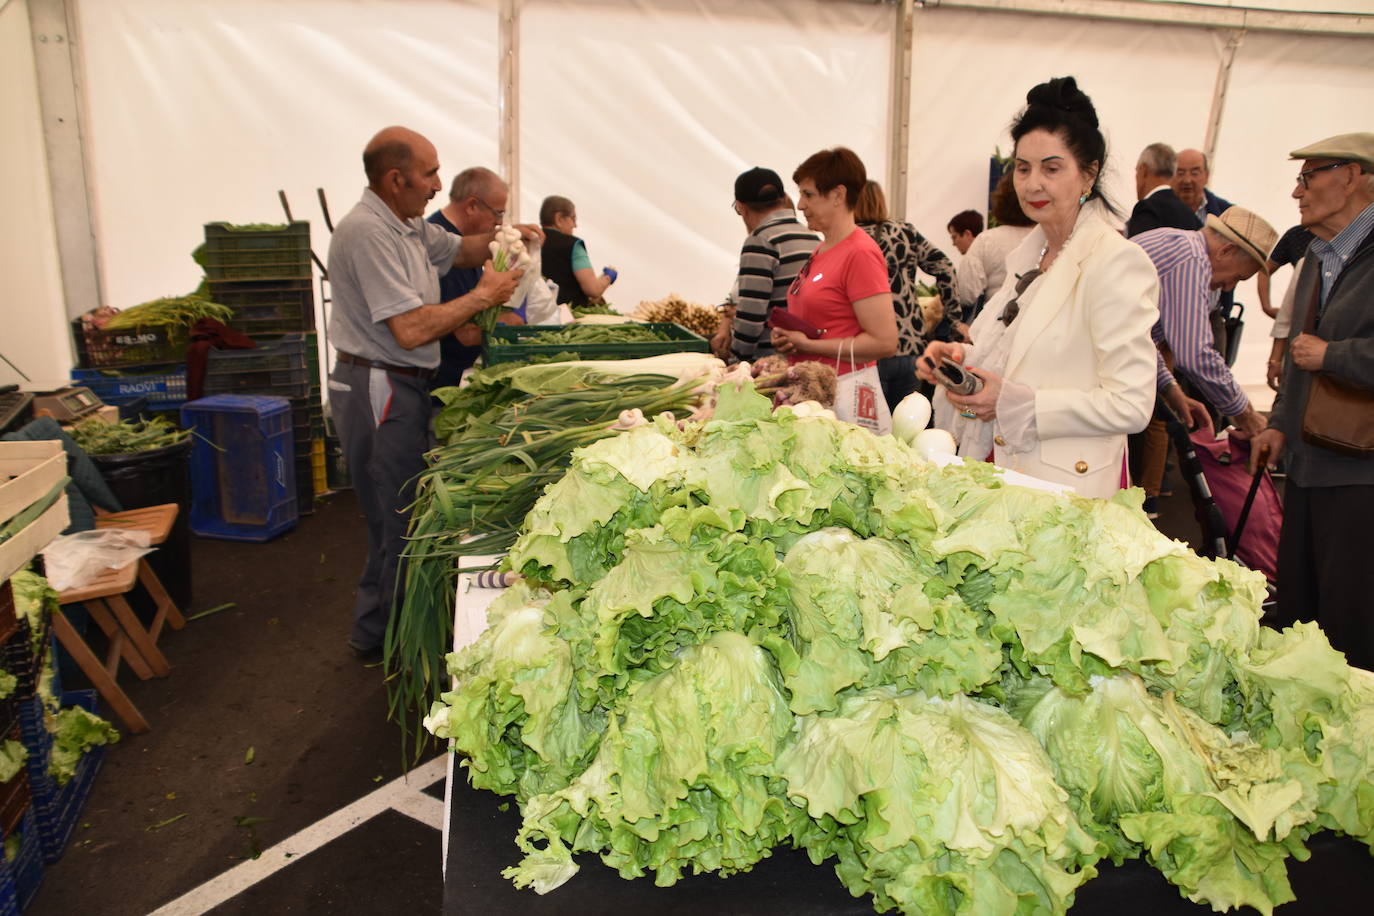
(503,450)
(507,253)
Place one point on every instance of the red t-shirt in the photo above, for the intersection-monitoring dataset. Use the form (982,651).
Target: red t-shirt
(829,285)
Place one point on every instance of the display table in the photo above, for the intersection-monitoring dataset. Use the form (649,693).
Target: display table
(479,842)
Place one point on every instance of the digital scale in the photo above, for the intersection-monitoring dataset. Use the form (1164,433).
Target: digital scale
(68,404)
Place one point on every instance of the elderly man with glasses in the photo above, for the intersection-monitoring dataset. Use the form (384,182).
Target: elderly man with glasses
(476,206)
(1325,573)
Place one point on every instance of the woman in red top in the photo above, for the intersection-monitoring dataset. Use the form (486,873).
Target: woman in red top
(843,289)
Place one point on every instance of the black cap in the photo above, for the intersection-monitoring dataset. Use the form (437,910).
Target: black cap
(758,186)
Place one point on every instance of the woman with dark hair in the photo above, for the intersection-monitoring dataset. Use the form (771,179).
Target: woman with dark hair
(906,251)
(984,266)
(843,289)
(564,259)
(1063,348)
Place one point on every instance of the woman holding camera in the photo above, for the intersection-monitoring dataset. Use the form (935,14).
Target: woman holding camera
(1063,349)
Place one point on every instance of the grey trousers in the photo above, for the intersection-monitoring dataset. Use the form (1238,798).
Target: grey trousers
(383,423)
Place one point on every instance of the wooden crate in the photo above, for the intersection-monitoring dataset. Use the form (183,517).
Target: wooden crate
(28,472)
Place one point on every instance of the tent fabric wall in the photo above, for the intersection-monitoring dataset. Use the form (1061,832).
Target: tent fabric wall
(201,110)
(641,111)
(644,111)
(32,314)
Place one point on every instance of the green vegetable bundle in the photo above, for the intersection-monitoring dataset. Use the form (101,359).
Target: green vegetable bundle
(509,433)
(173,311)
(96,437)
(577,334)
(775,629)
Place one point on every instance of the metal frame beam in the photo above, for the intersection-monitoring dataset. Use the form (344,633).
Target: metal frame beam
(1195,14)
(53,29)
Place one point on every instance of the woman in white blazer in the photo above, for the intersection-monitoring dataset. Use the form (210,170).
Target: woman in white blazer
(1064,347)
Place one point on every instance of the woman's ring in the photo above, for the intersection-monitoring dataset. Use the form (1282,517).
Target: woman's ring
(968,415)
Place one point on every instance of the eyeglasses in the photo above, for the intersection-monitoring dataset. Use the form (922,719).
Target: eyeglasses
(499,214)
(1304,177)
(1013,308)
(796,286)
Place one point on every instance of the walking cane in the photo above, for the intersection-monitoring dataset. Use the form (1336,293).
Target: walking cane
(1261,462)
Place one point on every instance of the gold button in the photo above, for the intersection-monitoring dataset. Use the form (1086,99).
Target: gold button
(1000,441)
(1081,467)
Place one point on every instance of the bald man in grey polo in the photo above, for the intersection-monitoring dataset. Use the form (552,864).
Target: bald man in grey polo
(381,266)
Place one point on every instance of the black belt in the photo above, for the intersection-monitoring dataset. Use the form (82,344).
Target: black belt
(425,374)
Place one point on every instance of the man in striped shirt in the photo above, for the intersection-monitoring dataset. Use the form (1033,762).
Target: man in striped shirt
(774,253)
(1192,263)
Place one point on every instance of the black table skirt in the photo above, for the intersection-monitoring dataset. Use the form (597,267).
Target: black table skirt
(1337,880)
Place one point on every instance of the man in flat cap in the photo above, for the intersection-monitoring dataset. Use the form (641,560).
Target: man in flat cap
(1192,263)
(773,254)
(1325,571)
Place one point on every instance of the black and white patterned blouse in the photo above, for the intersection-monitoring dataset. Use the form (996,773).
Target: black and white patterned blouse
(906,251)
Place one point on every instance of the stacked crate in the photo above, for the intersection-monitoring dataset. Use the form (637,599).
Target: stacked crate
(264,276)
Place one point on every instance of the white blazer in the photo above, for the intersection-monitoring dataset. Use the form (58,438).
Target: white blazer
(1083,346)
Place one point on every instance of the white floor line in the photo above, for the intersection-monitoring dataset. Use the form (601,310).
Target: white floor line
(401,794)
(426,809)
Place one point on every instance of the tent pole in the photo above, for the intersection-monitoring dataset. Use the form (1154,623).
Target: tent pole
(53,30)
(899,120)
(508,102)
(1228,58)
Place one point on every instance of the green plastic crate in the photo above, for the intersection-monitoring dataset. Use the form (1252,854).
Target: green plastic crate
(257,254)
(515,349)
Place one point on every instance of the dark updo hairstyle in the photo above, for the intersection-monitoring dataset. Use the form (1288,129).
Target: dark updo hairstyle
(1064,110)
(831,168)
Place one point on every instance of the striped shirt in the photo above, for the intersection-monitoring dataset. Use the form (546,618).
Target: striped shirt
(1335,253)
(770,260)
(1185,303)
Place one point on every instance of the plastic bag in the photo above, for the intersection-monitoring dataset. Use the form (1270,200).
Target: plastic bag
(76,560)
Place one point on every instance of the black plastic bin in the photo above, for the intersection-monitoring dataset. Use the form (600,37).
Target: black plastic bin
(142,479)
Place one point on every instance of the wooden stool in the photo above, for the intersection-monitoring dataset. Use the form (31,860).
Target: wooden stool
(104,599)
(157,521)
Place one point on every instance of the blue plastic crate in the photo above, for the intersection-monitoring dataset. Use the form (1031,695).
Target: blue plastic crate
(243,475)
(57,808)
(19,880)
(163,388)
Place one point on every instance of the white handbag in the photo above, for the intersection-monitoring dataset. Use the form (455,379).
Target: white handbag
(859,396)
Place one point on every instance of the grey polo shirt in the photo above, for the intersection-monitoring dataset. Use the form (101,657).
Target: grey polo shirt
(379,267)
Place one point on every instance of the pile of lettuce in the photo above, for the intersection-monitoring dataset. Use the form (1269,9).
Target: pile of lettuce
(772,630)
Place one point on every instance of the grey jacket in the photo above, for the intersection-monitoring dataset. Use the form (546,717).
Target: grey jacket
(1347,324)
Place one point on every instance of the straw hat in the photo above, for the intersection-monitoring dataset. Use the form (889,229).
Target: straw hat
(1248,230)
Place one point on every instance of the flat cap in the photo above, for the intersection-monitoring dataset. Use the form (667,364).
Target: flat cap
(1350,147)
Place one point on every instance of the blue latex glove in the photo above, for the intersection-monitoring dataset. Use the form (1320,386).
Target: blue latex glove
(611,272)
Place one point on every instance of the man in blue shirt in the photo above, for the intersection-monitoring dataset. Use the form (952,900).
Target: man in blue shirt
(476,206)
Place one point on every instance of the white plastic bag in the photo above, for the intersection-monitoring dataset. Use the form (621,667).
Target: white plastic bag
(74,560)
(859,396)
